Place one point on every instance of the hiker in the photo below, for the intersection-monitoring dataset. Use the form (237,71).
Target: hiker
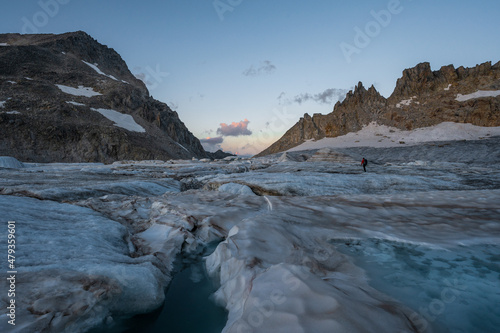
(364,163)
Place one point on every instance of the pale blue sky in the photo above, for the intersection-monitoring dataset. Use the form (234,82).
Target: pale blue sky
(230,60)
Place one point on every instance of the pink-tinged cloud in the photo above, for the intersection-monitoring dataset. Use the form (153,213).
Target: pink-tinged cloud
(234,129)
(213,141)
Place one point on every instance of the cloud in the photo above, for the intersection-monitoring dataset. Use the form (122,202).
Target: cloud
(213,141)
(234,129)
(329,96)
(266,67)
(212,144)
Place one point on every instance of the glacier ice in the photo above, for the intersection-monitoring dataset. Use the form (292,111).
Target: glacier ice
(303,244)
(75,268)
(10,162)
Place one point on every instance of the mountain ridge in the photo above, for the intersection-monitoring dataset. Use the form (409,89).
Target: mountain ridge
(421,98)
(47,114)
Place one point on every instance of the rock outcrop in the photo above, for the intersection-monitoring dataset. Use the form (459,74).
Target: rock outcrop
(67,98)
(422,98)
(219,155)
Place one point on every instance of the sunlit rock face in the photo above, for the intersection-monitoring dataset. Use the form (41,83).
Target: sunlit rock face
(422,98)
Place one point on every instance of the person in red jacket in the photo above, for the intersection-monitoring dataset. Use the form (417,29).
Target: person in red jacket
(364,163)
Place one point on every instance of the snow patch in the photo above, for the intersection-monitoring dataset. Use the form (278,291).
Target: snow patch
(12,82)
(94,67)
(2,104)
(4,44)
(381,136)
(10,162)
(478,94)
(75,103)
(406,102)
(183,147)
(80,91)
(125,121)
(12,112)
(448,88)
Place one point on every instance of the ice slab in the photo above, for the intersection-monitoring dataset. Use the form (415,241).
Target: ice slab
(288,284)
(74,268)
(10,162)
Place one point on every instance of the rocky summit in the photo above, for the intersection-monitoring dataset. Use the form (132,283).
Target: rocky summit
(422,98)
(68,98)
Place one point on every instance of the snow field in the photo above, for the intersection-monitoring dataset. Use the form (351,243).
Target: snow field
(80,91)
(125,121)
(478,94)
(380,136)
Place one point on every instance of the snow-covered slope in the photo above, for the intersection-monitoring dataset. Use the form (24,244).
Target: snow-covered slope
(478,94)
(125,121)
(374,135)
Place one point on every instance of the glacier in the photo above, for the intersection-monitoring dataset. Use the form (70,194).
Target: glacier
(303,241)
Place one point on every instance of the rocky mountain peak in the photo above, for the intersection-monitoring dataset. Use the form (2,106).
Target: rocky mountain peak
(421,98)
(68,98)
(414,81)
(361,97)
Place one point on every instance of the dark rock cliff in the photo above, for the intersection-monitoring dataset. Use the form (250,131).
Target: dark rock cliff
(422,98)
(42,122)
